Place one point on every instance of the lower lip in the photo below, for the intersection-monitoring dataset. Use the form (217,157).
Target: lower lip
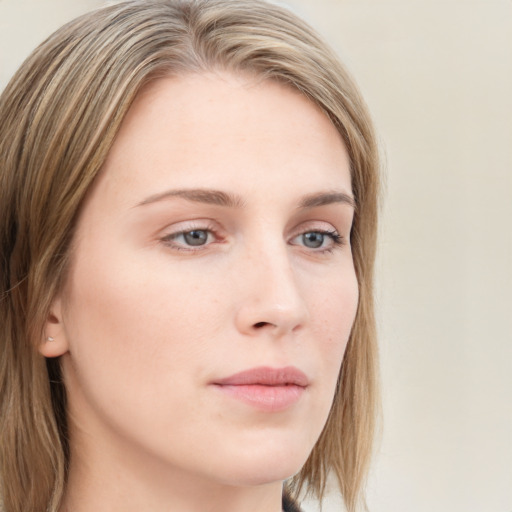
(265,398)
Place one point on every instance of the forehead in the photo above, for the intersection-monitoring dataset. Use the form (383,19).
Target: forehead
(200,130)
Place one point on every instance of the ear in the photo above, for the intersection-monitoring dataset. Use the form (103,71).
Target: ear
(54,343)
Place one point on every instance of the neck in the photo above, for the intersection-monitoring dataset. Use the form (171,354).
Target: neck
(101,479)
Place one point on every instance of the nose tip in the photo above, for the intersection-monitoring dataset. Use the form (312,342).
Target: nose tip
(275,320)
(272,303)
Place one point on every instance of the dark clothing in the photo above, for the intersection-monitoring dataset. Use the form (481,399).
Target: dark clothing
(289,504)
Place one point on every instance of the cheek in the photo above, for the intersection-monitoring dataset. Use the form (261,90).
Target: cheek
(333,309)
(139,326)
(135,313)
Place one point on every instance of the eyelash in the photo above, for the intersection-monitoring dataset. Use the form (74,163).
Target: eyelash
(336,239)
(169,240)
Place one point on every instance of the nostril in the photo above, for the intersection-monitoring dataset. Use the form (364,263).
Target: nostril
(260,324)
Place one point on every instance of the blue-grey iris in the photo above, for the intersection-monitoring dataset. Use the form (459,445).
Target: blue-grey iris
(196,237)
(313,239)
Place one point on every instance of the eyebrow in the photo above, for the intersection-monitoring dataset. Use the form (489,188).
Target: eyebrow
(199,195)
(221,198)
(325,198)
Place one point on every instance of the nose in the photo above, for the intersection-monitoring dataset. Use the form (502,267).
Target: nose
(271,301)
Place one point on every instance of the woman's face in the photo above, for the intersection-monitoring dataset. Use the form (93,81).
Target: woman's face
(212,290)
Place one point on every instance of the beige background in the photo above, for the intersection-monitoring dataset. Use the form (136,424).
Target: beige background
(438,78)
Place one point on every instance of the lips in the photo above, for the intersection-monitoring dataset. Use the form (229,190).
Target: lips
(266,389)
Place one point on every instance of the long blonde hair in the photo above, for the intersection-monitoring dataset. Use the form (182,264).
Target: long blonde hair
(59,116)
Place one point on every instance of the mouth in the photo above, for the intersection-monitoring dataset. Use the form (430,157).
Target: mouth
(264,388)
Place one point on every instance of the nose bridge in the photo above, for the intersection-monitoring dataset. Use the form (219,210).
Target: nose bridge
(271,298)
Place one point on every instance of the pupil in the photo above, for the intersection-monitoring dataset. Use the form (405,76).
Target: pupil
(197,237)
(313,240)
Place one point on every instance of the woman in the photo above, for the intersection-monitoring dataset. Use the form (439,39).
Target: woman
(188,201)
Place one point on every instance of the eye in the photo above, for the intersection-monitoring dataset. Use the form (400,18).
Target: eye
(319,239)
(195,237)
(190,239)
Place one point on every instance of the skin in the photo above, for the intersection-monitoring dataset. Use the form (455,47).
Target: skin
(147,322)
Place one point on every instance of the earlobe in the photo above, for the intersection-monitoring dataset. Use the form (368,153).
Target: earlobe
(54,342)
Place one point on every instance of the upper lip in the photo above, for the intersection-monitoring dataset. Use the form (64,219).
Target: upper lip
(266,376)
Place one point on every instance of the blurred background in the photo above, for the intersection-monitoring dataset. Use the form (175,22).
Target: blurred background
(437,76)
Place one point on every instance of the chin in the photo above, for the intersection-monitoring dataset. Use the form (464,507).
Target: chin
(262,466)
(256,476)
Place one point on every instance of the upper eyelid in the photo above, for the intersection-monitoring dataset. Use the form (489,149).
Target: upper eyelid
(315,225)
(213,226)
(191,225)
